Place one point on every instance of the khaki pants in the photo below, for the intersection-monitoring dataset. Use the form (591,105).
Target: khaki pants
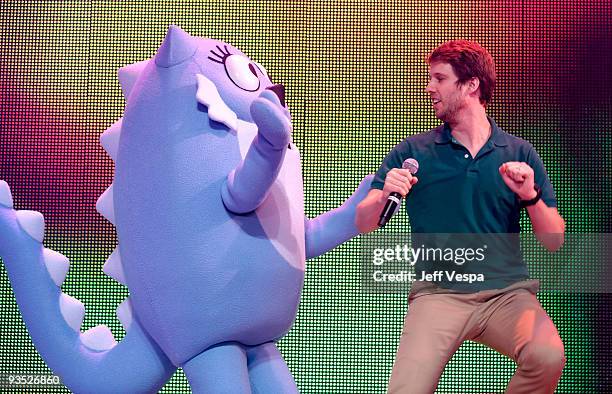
(509,320)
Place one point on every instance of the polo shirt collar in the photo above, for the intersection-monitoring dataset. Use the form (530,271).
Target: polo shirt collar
(498,137)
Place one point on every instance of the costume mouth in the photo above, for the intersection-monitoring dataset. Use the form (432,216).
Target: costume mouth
(279,90)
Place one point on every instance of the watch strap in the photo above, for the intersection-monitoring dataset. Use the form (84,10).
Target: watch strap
(528,203)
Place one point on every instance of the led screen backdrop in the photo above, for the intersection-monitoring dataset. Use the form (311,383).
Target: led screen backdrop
(355,76)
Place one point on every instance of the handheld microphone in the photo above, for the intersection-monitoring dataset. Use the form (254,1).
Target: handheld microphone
(395,199)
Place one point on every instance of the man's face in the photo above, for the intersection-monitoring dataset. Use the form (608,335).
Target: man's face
(447,97)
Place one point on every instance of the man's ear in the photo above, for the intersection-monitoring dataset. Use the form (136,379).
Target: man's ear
(473,84)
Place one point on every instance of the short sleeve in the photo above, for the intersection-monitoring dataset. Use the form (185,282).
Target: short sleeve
(394,159)
(541,178)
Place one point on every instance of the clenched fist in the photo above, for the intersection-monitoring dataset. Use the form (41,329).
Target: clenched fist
(519,177)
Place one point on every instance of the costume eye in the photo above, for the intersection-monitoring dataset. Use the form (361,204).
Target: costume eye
(241,71)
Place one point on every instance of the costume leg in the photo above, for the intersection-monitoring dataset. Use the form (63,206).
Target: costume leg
(268,372)
(221,369)
(434,328)
(519,328)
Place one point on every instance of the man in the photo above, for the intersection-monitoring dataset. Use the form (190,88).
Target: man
(473,178)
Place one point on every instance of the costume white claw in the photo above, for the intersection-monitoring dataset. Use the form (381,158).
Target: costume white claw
(106,206)
(114,268)
(33,223)
(128,76)
(208,95)
(110,139)
(57,264)
(124,313)
(72,310)
(98,338)
(6,198)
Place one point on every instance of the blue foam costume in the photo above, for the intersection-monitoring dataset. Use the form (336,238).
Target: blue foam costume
(208,205)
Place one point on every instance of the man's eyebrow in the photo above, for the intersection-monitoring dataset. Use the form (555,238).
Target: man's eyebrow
(438,75)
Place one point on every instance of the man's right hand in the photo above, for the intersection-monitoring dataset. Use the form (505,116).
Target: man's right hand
(398,180)
(368,211)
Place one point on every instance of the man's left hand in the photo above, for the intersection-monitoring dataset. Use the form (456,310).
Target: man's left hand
(518,176)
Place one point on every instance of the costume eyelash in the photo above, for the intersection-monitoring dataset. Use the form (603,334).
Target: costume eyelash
(220,58)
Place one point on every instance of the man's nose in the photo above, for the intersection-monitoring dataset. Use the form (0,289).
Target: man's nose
(279,90)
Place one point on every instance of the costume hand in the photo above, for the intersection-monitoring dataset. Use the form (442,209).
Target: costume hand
(272,122)
(398,180)
(519,177)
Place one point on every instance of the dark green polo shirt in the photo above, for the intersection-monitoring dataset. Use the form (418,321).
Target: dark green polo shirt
(461,194)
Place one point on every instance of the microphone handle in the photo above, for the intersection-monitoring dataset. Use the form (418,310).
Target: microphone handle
(393,201)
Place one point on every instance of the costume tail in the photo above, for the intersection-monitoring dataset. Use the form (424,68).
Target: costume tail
(90,361)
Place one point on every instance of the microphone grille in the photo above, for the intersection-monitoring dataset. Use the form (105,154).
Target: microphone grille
(411,165)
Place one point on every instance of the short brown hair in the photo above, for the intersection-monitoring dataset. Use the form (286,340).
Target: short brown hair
(469,60)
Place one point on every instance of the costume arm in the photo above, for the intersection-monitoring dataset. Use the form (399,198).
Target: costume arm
(248,184)
(332,228)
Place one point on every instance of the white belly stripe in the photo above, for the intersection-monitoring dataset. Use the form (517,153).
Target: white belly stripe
(282,212)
